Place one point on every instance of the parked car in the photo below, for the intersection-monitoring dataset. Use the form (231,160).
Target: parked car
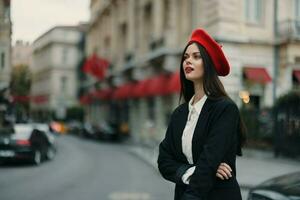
(108,131)
(75,127)
(87,130)
(30,142)
(286,187)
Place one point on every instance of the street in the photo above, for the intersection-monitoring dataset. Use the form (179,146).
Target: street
(88,169)
(84,169)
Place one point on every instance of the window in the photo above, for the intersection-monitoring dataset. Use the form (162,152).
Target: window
(148,26)
(7,14)
(151,108)
(2,59)
(253,11)
(166,13)
(64,55)
(297,9)
(123,40)
(63,83)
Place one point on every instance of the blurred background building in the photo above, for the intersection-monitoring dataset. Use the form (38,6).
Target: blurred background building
(21,53)
(56,55)
(143,40)
(5,43)
(5,56)
(122,67)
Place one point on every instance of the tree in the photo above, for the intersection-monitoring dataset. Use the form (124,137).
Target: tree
(20,90)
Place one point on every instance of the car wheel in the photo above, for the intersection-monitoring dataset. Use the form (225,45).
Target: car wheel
(50,153)
(37,158)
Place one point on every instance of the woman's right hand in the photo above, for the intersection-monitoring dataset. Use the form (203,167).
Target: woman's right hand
(224,171)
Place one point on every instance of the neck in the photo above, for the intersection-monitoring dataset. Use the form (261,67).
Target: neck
(199,91)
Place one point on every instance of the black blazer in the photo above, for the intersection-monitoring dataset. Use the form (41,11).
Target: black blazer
(215,140)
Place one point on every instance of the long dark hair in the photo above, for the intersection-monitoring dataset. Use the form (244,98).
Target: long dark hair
(213,87)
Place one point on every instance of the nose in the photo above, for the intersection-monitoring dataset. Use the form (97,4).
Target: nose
(187,61)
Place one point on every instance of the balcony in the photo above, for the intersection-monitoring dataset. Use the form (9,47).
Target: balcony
(289,29)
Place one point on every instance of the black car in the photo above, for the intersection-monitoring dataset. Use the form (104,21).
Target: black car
(286,187)
(108,131)
(31,142)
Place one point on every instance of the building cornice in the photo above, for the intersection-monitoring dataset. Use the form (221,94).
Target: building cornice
(150,56)
(77,28)
(244,40)
(101,10)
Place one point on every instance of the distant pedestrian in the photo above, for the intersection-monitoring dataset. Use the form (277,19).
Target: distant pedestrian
(205,133)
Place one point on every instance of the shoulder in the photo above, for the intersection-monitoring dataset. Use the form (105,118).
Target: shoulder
(179,110)
(223,104)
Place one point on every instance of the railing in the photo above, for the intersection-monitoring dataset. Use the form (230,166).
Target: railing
(289,29)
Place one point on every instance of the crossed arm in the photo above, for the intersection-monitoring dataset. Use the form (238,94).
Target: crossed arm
(210,161)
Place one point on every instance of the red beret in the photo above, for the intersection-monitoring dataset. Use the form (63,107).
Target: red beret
(214,50)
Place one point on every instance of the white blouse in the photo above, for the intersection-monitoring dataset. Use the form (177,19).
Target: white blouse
(188,132)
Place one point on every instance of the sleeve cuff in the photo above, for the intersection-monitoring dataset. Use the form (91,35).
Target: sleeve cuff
(180,171)
(187,175)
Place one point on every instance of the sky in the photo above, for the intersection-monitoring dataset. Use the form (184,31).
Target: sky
(32,18)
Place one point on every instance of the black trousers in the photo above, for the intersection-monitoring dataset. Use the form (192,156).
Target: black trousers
(225,194)
(222,193)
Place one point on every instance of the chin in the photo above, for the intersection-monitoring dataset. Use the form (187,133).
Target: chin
(191,77)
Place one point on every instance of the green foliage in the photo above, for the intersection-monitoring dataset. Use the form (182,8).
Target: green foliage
(259,124)
(75,113)
(20,80)
(287,125)
(20,86)
(290,101)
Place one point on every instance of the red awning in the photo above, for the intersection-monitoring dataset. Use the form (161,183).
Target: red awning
(123,92)
(103,93)
(93,94)
(296,74)
(85,99)
(21,99)
(140,89)
(95,66)
(257,74)
(40,99)
(173,85)
(157,85)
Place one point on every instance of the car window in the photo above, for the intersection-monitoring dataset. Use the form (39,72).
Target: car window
(22,129)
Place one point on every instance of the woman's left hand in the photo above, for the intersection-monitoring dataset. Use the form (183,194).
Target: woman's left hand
(224,171)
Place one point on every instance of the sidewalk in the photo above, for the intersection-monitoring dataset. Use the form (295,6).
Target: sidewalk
(253,167)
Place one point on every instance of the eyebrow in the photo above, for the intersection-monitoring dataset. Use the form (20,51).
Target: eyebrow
(192,53)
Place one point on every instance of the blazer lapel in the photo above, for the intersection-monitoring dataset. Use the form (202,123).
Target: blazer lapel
(179,126)
(200,131)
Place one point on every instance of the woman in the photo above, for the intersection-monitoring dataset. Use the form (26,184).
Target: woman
(205,133)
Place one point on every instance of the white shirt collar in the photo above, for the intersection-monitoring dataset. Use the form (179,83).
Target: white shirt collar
(197,106)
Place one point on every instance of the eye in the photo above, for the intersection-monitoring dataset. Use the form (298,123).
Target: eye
(185,57)
(197,56)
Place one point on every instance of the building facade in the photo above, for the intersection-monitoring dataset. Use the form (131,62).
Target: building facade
(5,43)
(56,55)
(21,53)
(145,38)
